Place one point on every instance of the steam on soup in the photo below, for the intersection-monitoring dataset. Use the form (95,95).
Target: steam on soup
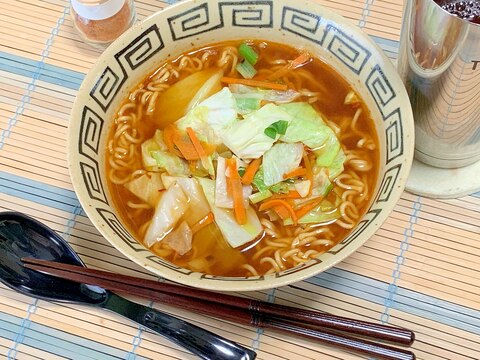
(242,158)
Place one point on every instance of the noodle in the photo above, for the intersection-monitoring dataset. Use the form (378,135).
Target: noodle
(280,247)
(250,269)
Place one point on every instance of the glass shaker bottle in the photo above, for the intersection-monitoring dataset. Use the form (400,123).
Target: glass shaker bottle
(100,22)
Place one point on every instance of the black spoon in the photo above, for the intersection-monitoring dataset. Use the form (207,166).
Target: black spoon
(22,236)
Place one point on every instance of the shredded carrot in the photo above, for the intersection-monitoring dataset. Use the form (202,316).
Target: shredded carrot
(298,172)
(198,147)
(250,171)
(196,143)
(282,212)
(300,60)
(177,144)
(307,207)
(309,174)
(279,202)
(237,192)
(181,145)
(170,134)
(257,83)
(203,222)
(292,194)
(186,149)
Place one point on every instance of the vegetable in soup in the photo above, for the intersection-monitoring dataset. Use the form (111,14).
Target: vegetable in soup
(242,158)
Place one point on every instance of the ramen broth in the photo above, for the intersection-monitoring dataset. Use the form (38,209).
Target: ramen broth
(282,242)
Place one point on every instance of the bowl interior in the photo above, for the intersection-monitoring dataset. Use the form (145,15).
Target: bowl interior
(191,24)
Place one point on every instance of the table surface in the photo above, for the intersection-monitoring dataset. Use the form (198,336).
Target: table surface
(419,271)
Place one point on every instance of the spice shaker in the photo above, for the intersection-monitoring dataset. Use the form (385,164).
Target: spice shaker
(100,22)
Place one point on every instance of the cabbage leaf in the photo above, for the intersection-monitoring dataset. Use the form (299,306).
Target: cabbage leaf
(147,188)
(279,160)
(209,118)
(326,154)
(199,207)
(180,239)
(149,163)
(222,199)
(317,216)
(155,157)
(336,167)
(307,126)
(172,206)
(247,139)
(325,213)
(248,98)
(171,163)
(234,234)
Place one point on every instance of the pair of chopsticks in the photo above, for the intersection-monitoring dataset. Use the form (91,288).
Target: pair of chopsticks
(348,334)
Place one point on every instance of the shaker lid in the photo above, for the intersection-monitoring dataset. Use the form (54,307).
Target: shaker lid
(97,9)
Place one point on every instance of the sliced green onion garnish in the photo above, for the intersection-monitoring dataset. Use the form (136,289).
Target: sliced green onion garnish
(260,196)
(241,171)
(278,127)
(247,52)
(246,69)
(280,188)
(270,132)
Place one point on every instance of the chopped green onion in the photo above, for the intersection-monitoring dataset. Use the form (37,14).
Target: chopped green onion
(247,52)
(270,132)
(280,188)
(260,196)
(278,127)
(241,171)
(258,180)
(246,69)
(248,104)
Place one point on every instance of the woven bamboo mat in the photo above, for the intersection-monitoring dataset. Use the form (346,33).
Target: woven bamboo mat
(420,270)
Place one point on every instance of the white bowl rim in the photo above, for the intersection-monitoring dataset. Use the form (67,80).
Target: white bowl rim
(269,281)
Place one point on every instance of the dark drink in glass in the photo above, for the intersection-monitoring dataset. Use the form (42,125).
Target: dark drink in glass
(466,10)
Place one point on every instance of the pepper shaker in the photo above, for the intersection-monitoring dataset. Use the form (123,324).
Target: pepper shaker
(100,22)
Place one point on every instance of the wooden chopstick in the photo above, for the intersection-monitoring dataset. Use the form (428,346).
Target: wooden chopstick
(242,310)
(377,331)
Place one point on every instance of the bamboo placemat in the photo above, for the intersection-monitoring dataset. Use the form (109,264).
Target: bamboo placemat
(420,270)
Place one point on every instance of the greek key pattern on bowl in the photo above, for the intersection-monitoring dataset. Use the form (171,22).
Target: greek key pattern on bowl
(394,135)
(247,13)
(388,182)
(93,181)
(226,278)
(306,25)
(129,58)
(202,19)
(347,50)
(381,91)
(112,221)
(213,16)
(90,133)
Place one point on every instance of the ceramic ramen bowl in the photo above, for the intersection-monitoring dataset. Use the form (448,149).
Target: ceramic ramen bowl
(193,24)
